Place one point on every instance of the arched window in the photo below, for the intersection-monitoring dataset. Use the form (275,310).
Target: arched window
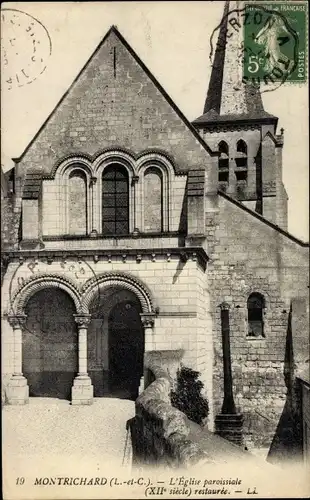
(115,200)
(153,200)
(77,202)
(241,161)
(256,305)
(223,172)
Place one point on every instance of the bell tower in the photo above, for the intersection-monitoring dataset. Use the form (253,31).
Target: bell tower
(235,123)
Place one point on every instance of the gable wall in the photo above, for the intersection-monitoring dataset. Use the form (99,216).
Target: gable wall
(109,107)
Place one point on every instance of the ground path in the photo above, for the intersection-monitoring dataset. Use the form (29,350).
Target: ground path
(49,437)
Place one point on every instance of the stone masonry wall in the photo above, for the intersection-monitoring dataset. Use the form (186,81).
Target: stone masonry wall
(159,432)
(248,256)
(10,221)
(205,348)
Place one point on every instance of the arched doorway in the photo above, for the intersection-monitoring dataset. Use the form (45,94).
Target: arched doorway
(116,343)
(50,344)
(126,348)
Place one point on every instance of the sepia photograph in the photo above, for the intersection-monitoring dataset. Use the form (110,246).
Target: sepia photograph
(155,250)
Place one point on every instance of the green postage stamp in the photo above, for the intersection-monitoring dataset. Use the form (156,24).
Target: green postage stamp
(275,42)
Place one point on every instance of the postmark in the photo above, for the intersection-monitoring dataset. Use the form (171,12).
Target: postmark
(25,48)
(267,41)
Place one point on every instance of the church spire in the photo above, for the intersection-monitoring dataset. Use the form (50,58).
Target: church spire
(228,97)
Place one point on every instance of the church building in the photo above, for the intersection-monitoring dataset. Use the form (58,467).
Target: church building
(128,229)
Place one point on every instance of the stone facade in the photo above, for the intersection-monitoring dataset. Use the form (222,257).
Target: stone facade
(178,249)
(274,267)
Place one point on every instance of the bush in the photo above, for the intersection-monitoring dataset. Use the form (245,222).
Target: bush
(187,396)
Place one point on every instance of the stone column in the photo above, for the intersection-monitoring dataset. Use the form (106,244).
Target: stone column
(228,423)
(82,390)
(232,176)
(17,390)
(93,218)
(148,320)
(134,216)
(228,403)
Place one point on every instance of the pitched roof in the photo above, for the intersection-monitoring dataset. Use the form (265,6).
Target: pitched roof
(211,117)
(263,219)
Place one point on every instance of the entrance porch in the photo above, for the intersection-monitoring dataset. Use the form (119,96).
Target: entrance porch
(73,353)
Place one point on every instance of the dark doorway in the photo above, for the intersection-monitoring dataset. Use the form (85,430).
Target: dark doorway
(50,349)
(126,349)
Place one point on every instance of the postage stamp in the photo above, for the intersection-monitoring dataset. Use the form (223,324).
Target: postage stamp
(26,46)
(275,42)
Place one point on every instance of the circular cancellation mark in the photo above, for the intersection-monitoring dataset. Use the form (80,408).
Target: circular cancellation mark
(269,40)
(26,46)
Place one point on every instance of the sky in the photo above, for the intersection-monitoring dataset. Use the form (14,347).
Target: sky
(173,40)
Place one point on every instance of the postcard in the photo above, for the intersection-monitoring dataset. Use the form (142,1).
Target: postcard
(154,250)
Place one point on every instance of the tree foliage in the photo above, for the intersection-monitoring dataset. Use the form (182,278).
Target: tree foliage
(187,395)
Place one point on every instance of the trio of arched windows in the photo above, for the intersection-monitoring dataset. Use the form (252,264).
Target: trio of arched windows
(115,201)
(241,162)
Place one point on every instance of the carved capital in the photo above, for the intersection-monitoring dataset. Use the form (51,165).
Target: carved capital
(135,179)
(17,320)
(147,320)
(82,320)
(225,306)
(184,256)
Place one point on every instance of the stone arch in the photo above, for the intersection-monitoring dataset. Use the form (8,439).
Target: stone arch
(113,159)
(72,161)
(163,167)
(255,314)
(120,279)
(155,159)
(258,290)
(39,282)
(242,146)
(115,156)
